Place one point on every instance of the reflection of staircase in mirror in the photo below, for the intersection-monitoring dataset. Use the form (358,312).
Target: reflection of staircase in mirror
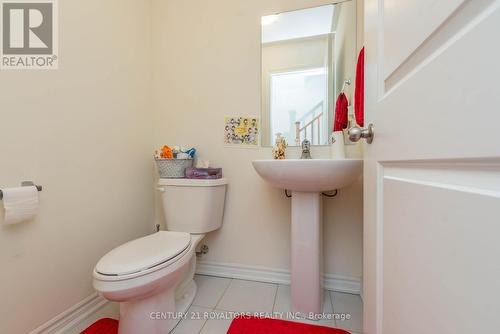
(312,129)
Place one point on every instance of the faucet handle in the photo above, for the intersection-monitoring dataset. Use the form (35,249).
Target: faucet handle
(306,144)
(306,149)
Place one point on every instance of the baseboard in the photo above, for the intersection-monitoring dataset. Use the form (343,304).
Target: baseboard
(269,275)
(65,322)
(341,283)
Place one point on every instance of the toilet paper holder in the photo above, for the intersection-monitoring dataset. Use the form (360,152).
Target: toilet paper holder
(25,184)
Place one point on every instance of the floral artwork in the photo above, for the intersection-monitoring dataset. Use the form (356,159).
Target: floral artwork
(242,131)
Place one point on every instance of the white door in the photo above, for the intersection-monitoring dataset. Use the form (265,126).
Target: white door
(432,173)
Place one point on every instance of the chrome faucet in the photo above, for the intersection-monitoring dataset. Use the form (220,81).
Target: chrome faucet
(306,149)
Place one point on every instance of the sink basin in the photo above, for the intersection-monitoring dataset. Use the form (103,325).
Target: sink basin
(309,175)
(307,179)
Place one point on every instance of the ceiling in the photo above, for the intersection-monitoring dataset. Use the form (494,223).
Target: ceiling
(297,24)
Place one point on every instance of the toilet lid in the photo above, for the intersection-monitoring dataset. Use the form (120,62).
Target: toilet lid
(144,253)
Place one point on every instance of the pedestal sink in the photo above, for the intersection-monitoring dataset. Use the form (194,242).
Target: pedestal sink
(307,179)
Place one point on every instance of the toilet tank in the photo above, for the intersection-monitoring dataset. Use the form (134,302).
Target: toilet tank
(193,206)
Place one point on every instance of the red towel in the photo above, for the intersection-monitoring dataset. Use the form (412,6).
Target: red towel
(359,92)
(341,113)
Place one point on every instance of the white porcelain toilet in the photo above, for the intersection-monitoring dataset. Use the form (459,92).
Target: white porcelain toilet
(152,277)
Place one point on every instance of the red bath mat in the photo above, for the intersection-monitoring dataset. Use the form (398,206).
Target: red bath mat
(103,326)
(238,326)
(250,325)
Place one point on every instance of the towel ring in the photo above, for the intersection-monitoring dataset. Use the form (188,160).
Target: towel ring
(347,82)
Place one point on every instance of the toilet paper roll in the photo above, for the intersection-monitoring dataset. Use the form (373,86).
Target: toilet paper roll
(21,204)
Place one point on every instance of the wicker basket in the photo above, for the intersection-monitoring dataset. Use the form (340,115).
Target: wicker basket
(173,168)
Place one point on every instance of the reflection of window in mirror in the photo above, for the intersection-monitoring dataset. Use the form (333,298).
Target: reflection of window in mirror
(298,105)
(306,56)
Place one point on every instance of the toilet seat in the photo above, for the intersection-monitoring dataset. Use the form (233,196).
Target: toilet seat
(144,254)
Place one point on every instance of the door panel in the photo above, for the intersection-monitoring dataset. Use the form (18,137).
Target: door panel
(459,23)
(432,174)
(440,260)
(406,27)
(444,100)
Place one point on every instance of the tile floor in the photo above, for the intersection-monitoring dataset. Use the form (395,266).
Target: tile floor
(217,296)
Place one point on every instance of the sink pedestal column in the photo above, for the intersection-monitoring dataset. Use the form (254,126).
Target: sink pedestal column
(307,257)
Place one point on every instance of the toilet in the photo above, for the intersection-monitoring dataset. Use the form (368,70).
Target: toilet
(152,277)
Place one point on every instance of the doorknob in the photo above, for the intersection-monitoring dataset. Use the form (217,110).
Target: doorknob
(356,133)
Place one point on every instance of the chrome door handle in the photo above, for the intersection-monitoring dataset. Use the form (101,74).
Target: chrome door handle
(356,133)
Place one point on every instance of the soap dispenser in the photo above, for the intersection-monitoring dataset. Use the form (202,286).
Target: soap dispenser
(279,149)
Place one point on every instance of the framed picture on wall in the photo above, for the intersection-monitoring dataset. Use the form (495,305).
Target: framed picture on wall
(242,131)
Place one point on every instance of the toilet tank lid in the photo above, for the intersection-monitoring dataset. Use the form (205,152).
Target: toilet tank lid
(193,182)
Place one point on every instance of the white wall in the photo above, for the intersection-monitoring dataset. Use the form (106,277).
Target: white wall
(207,66)
(345,53)
(83,132)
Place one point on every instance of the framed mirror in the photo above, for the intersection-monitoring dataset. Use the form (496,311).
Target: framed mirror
(308,58)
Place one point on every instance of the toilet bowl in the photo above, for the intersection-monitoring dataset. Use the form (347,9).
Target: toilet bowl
(152,277)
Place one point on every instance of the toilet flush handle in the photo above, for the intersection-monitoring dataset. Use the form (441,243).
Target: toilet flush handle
(162,190)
